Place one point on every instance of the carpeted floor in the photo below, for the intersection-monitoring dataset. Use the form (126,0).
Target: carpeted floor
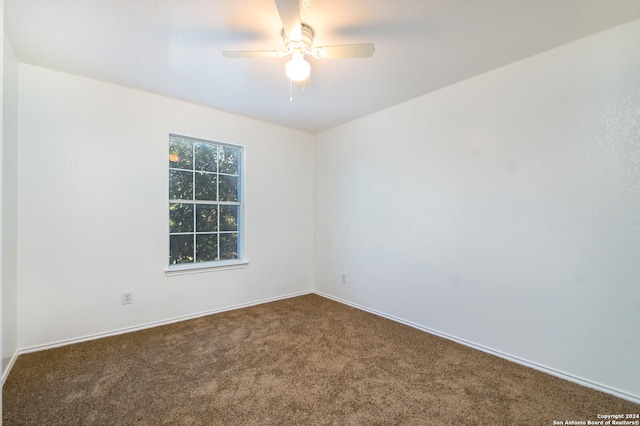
(301,361)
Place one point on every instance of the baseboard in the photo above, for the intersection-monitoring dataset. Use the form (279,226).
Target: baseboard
(152,324)
(557,373)
(6,371)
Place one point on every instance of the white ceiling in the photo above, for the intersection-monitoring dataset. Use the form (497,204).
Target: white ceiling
(173,47)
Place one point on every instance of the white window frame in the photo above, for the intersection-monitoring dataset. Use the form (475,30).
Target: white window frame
(199,267)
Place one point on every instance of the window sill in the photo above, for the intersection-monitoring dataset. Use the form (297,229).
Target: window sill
(198,268)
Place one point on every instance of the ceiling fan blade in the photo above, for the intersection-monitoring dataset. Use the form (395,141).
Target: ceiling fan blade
(361,50)
(289,11)
(234,54)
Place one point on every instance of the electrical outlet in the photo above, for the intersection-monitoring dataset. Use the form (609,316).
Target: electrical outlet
(343,278)
(127,297)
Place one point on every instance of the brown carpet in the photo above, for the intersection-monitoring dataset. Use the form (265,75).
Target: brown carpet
(301,361)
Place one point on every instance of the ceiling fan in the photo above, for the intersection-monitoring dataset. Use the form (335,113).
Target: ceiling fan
(298,42)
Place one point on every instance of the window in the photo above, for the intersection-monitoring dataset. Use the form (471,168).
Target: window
(205,202)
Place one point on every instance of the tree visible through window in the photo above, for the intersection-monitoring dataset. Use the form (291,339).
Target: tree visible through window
(204,200)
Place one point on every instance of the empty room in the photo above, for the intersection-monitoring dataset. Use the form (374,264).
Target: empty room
(265,212)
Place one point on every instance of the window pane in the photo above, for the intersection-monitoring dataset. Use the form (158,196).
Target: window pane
(204,200)
(228,160)
(180,185)
(228,188)
(181,249)
(180,217)
(229,218)
(180,154)
(206,157)
(206,248)
(229,246)
(206,186)
(206,218)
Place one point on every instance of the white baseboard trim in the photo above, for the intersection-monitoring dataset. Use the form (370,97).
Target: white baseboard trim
(37,348)
(557,373)
(6,371)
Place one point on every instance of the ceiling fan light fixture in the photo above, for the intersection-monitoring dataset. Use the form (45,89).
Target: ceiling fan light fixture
(297,38)
(297,68)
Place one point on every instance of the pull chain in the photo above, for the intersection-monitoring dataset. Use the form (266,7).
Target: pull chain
(290,90)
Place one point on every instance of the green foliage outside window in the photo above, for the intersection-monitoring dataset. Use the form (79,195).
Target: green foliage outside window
(204,201)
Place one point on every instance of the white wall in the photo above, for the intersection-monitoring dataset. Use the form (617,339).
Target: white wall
(9,204)
(503,210)
(93,208)
(1,192)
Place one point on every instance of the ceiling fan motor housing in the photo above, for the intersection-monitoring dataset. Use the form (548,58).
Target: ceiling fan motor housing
(302,46)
